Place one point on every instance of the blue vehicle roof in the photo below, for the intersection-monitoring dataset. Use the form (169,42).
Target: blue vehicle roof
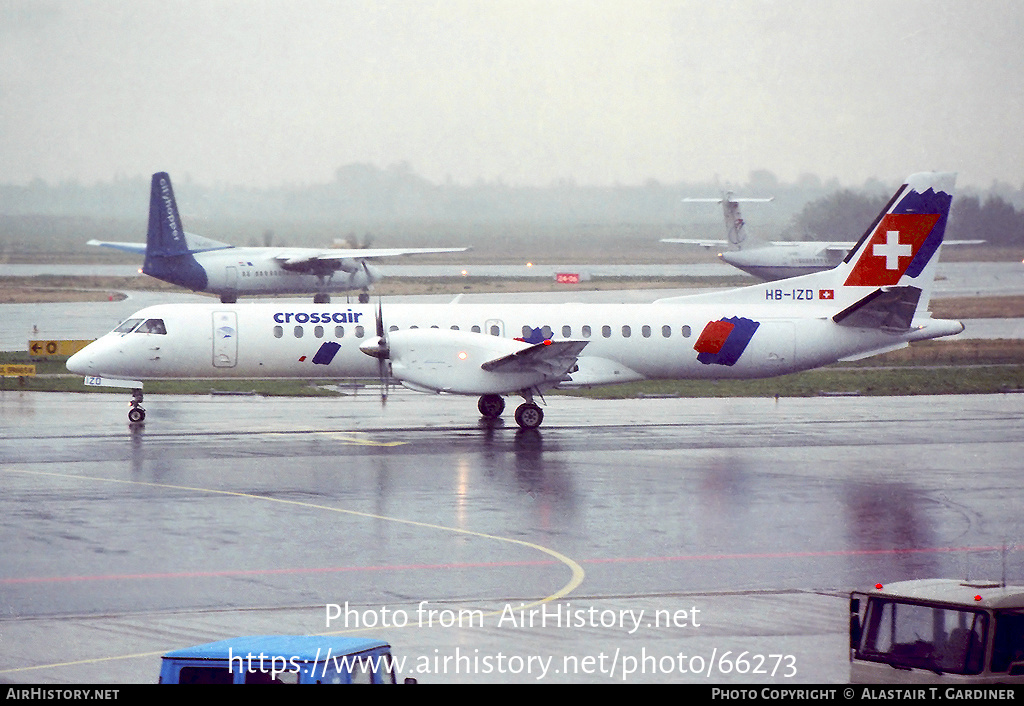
(301,647)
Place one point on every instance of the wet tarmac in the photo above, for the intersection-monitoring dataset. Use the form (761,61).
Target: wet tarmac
(741,522)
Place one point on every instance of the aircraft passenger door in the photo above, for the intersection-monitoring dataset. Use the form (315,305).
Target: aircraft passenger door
(225,339)
(494,327)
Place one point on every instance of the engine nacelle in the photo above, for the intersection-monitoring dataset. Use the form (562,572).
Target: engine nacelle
(449,361)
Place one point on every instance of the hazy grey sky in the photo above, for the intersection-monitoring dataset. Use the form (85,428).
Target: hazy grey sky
(266,92)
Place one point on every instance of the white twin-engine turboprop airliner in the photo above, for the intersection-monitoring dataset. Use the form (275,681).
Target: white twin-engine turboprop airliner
(874,301)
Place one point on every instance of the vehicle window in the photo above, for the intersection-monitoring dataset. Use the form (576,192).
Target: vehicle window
(205,675)
(666,331)
(566,331)
(318,331)
(586,332)
(924,637)
(686,331)
(1008,646)
(645,331)
(127,326)
(298,332)
(278,332)
(626,332)
(606,331)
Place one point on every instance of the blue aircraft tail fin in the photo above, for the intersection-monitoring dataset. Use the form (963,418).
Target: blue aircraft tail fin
(167,252)
(165,236)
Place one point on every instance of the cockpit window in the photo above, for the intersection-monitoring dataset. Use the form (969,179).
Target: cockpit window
(127,326)
(152,326)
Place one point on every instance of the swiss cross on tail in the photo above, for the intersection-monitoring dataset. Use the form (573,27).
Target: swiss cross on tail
(906,236)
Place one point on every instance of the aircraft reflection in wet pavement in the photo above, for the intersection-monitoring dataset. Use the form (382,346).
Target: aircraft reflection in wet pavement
(206,265)
(776,259)
(875,301)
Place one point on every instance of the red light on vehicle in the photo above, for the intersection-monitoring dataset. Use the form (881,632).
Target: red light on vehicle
(878,586)
(547,342)
(977,598)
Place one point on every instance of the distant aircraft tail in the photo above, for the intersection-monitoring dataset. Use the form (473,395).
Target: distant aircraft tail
(167,252)
(165,236)
(736,232)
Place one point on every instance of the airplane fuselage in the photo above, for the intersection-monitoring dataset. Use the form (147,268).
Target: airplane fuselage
(784,260)
(289,339)
(255,271)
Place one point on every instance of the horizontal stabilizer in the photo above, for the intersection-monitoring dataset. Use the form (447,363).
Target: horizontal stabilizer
(886,308)
(549,357)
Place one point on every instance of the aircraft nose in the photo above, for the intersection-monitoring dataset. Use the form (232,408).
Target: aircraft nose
(82,362)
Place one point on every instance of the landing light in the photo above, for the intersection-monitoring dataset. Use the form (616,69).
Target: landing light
(462,355)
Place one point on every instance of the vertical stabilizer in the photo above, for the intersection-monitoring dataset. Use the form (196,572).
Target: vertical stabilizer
(167,253)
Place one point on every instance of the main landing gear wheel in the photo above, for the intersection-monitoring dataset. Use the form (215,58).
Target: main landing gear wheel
(529,415)
(491,406)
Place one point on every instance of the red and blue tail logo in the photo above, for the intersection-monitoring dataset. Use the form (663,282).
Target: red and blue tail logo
(904,241)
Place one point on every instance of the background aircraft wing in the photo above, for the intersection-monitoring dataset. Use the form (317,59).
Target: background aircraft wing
(334,256)
(702,243)
(137,248)
(196,243)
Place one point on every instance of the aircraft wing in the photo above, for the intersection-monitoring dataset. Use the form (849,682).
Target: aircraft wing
(702,243)
(196,243)
(550,358)
(333,256)
(137,248)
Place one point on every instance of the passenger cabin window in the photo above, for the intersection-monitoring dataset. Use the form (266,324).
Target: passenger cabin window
(586,332)
(298,331)
(666,331)
(686,331)
(606,331)
(278,332)
(566,331)
(475,329)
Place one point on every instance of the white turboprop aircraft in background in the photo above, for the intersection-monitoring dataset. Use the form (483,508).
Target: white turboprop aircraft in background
(776,259)
(875,301)
(206,265)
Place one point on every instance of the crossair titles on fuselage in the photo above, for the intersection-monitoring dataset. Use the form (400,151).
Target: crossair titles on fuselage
(323,317)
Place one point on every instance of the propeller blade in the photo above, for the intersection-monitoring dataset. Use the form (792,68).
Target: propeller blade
(382,359)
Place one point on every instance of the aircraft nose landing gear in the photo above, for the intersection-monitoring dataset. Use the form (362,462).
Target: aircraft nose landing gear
(136,414)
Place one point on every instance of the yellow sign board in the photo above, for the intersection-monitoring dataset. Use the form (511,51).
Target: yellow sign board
(17,371)
(56,347)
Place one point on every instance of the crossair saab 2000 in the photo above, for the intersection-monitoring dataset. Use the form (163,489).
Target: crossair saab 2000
(775,259)
(875,301)
(207,265)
